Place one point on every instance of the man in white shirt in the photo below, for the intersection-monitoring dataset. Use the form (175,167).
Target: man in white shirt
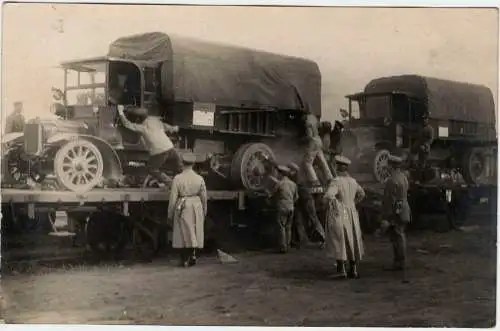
(161,148)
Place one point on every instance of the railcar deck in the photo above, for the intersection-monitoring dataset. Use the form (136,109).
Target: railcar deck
(100,195)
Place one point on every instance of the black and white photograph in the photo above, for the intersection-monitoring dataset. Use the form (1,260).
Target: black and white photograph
(269,166)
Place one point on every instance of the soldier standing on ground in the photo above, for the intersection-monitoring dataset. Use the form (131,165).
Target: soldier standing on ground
(285,194)
(299,233)
(187,209)
(15,121)
(458,203)
(397,213)
(343,231)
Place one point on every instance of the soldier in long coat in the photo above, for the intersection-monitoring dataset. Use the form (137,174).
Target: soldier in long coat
(344,239)
(396,211)
(187,210)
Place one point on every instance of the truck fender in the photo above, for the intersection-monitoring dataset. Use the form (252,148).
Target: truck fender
(384,145)
(112,165)
(12,136)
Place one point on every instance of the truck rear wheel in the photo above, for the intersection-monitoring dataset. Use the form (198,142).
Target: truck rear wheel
(78,166)
(475,165)
(248,168)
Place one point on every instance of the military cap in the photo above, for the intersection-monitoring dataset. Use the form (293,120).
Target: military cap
(339,159)
(140,111)
(395,159)
(283,169)
(188,158)
(293,167)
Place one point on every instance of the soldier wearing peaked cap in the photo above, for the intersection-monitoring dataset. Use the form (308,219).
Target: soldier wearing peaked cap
(344,240)
(342,160)
(285,195)
(299,233)
(15,121)
(396,211)
(187,209)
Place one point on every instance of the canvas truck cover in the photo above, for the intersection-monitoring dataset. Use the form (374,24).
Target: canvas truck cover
(446,100)
(199,71)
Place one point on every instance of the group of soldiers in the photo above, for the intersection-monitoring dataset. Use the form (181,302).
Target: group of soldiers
(340,231)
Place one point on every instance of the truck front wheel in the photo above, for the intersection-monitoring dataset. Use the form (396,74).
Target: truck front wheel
(78,165)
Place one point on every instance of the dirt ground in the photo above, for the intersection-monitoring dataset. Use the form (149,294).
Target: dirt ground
(452,283)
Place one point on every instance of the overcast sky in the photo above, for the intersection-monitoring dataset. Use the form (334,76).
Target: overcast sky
(351,45)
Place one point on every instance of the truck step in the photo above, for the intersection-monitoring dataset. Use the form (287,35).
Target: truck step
(62,234)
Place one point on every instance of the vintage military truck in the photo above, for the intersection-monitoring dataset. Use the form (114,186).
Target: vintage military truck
(233,106)
(390,114)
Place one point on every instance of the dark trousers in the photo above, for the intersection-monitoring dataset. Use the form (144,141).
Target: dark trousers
(298,229)
(308,211)
(284,219)
(157,161)
(422,159)
(397,235)
(457,209)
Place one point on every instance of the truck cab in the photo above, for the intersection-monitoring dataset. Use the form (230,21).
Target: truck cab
(94,88)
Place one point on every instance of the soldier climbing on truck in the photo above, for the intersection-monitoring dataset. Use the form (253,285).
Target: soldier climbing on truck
(314,151)
(161,148)
(422,145)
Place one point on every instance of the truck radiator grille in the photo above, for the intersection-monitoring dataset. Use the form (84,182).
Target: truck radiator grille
(33,138)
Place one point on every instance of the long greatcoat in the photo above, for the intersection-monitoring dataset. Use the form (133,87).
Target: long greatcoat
(187,208)
(344,239)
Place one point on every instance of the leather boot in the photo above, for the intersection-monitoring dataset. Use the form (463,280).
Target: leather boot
(184,258)
(192,257)
(341,269)
(353,270)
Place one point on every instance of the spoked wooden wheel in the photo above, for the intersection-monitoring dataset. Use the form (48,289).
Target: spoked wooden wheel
(78,166)
(248,168)
(381,170)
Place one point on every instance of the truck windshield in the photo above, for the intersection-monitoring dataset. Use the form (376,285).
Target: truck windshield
(85,84)
(375,107)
